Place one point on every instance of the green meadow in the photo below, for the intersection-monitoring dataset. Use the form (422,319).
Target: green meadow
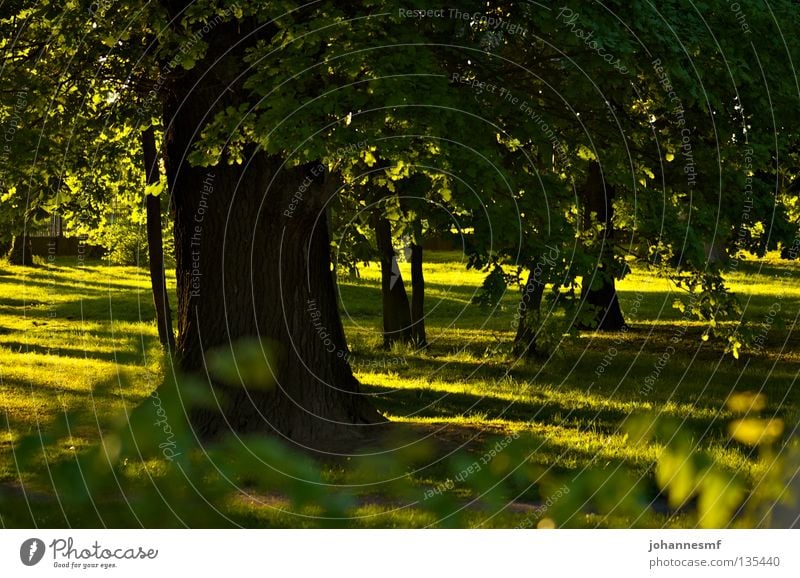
(80,341)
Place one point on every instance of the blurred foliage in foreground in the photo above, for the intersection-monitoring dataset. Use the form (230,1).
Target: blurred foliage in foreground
(151,471)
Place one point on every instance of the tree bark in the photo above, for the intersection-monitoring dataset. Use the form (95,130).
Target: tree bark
(21,251)
(155,244)
(396,309)
(528,314)
(418,336)
(599,289)
(253,260)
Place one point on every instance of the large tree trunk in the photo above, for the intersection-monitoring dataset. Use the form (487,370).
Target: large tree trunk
(253,260)
(528,315)
(417,297)
(396,309)
(21,251)
(609,313)
(155,244)
(599,289)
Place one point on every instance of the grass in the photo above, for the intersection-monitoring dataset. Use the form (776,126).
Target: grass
(466,373)
(79,338)
(73,339)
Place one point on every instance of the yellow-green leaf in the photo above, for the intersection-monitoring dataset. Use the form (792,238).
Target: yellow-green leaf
(720,495)
(675,473)
(746,401)
(753,431)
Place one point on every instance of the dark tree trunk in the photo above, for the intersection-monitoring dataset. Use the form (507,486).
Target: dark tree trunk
(253,260)
(599,289)
(609,316)
(417,297)
(396,309)
(155,244)
(5,246)
(21,251)
(528,315)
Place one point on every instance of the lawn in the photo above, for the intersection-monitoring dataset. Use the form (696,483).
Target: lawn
(80,341)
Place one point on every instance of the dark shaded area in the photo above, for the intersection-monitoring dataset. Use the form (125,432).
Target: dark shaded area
(528,313)
(599,289)
(418,336)
(21,252)
(396,308)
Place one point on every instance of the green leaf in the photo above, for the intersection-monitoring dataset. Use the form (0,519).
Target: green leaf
(249,362)
(675,473)
(721,494)
(155,189)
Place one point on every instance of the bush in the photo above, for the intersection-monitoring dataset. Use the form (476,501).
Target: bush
(123,235)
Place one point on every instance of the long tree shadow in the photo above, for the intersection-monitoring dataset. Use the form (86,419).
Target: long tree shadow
(424,403)
(122,307)
(77,286)
(125,354)
(363,299)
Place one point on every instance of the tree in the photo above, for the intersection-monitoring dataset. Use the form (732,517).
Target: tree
(266,109)
(232,130)
(155,243)
(599,290)
(268,275)
(271,167)
(403,321)
(21,252)
(418,336)
(392,218)
(396,309)
(528,315)
(672,120)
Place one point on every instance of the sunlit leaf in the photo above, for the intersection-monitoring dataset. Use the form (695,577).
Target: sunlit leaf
(248,361)
(720,495)
(753,431)
(746,401)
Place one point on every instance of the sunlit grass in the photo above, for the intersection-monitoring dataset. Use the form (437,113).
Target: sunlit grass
(82,341)
(73,340)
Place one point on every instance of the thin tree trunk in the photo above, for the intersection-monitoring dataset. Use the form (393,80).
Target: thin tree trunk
(528,314)
(253,260)
(417,297)
(155,244)
(599,288)
(396,309)
(21,251)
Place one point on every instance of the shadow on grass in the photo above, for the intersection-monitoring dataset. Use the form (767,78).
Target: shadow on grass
(123,355)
